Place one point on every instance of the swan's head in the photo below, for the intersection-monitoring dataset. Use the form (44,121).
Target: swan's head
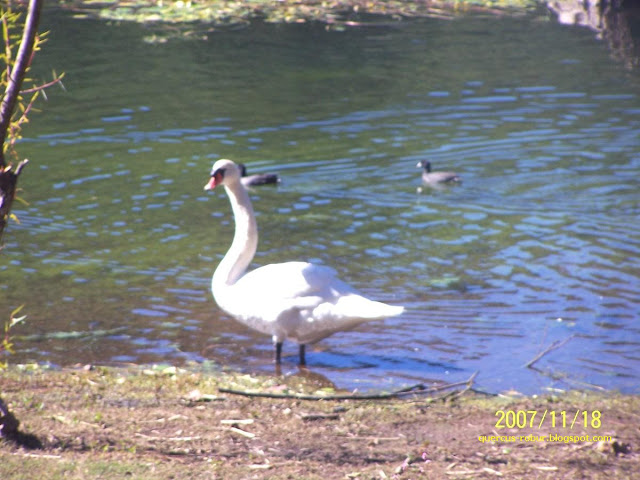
(223,172)
(426,164)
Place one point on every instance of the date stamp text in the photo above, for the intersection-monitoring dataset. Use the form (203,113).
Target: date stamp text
(548,418)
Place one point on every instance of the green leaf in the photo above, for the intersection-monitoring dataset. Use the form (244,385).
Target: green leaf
(17,310)
(16,320)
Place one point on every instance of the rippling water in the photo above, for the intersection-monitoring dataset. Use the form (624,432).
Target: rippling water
(539,244)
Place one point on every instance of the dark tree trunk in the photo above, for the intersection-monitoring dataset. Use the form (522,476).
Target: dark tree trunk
(8,185)
(8,423)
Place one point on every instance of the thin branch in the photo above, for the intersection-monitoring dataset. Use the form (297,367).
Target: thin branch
(413,390)
(555,345)
(44,85)
(21,165)
(16,77)
(459,393)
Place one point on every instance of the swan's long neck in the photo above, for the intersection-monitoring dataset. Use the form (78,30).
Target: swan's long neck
(245,240)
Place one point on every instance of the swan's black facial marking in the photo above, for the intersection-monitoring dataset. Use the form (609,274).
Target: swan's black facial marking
(216,179)
(218,175)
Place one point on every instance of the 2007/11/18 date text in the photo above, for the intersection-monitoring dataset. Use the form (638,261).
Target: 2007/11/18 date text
(549,418)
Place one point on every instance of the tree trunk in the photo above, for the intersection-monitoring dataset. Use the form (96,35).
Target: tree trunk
(8,185)
(8,423)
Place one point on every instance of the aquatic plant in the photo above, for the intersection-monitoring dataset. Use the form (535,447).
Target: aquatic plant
(334,13)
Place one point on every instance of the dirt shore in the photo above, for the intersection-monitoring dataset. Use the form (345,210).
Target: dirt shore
(167,423)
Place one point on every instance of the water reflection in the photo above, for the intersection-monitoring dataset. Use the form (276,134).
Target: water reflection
(538,244)
(614,21)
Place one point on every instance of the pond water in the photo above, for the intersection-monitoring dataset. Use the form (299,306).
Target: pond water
(540,244)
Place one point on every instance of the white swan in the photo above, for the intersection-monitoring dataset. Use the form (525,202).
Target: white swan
(298,301)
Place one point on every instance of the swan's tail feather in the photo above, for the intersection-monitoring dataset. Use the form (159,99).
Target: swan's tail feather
(355,306)
(345,313)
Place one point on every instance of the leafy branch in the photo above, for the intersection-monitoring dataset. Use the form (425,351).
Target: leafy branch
(14,109)
(6,346)
(17,53)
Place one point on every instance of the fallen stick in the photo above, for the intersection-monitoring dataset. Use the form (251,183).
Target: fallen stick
(242,432)
(555,345)
(459,393)
(413,390)
(311,417)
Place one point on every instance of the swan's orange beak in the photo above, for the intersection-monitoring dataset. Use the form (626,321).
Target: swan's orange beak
(215,180)
(211,184)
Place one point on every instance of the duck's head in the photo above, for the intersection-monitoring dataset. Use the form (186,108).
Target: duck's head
(426,164)
(223,172)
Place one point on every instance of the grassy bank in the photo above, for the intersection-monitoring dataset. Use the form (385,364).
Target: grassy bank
(167,423)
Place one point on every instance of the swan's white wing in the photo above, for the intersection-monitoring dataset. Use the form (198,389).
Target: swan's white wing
(301,301)
(276,298)
(299,281)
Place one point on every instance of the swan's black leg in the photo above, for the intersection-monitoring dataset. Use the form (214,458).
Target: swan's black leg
(278,352)
(303,361)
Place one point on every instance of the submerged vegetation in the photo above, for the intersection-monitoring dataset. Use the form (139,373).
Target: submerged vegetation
(335,13)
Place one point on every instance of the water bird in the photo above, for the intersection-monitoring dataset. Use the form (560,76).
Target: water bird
(436,178)
(297,301)
(258,178)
